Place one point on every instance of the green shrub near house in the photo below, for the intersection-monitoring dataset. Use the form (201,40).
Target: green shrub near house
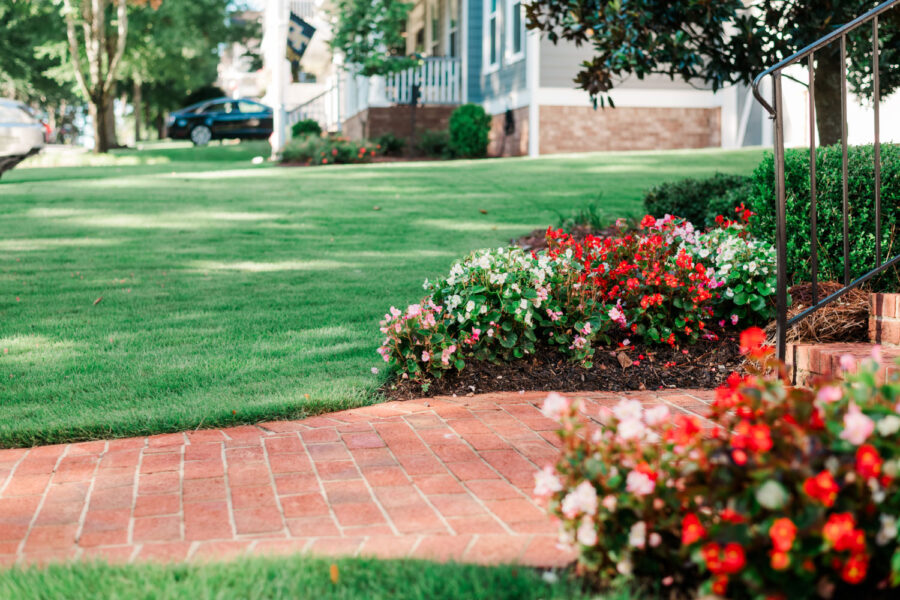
(315,150)
(434,143)
(389,144)
(305,127)
(829,202)
(469,129)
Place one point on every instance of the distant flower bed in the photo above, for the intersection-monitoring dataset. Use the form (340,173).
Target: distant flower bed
(793,494)
(328,150)
(663,284)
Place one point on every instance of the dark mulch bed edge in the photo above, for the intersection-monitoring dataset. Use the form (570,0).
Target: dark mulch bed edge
(704,365)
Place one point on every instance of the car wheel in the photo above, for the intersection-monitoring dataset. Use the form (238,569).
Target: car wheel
(201,135)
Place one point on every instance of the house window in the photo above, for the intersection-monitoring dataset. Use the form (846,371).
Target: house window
(492,37)
(515,33)
(453,28)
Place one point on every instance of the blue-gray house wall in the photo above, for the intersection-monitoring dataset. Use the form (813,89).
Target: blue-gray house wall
(507,79)
(474,46)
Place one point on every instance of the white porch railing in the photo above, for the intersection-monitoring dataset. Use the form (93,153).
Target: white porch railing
(439,80)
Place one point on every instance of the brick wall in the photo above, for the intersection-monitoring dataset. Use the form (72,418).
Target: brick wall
(515,144)
(373,122)
(583,129)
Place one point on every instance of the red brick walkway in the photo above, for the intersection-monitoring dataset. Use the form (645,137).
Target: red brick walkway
(446,478)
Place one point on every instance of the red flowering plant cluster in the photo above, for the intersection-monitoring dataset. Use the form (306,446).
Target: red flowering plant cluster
(647,282)
(788,493)
(328,150)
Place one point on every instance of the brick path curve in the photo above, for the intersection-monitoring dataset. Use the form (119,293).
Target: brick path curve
(443,478)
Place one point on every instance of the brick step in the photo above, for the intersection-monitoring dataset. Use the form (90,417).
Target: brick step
(884,319)
(808,360)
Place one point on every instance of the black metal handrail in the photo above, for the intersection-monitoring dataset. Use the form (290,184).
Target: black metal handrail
(776,111)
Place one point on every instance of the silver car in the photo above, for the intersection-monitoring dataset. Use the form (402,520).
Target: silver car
(21,135)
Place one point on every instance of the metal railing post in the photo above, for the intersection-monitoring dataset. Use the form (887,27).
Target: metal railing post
(780,225)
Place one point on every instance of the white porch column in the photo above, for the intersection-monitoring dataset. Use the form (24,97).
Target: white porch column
(277,20)
(463,50)
(533,82)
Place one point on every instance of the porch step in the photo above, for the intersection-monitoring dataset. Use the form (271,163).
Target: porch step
(806,361)
(884,319)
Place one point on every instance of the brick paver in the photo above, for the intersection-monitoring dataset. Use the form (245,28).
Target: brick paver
(441,478)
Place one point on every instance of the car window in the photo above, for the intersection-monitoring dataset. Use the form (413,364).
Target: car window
(12,114)
(218,107)
(250,107)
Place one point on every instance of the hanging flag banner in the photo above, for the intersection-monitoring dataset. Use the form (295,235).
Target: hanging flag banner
(299,34)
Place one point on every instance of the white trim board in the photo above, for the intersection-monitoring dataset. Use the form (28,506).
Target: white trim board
(509,101)
(639,98)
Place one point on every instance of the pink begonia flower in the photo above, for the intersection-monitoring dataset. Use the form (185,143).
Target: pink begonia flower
(734,319)
(857,426)
(656,415)
(877,355)
(637,536)
(586,330)
(631,429)
(639,483)
(555,406)
(587,532)
(425,356)
(654,540)
(374,370)
(580,501)
(626,342)
(627,410)
(610,502)
(617,315)
(546,482)
(828,394)
(848,362)
(447,353)
(413,310)
(578,343)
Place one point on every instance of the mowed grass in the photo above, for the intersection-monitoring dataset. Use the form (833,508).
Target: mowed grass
(176,288)
(289,579)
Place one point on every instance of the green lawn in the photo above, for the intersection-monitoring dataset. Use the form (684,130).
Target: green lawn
(234,292)
(288,579)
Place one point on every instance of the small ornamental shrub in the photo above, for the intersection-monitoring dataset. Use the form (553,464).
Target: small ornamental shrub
(500,305)
(689,198)
(469,129)
(792,494)
(829,203)
(305,127)
(434,143)
(314,150)
(743,266)
(389,144)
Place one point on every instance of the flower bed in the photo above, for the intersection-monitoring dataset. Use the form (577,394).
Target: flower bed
(791,494)
(663,285)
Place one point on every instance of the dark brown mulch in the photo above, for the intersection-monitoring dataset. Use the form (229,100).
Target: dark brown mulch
(703,365)
(537,239)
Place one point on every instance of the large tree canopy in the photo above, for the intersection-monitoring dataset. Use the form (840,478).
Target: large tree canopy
(370,34)
(715,43)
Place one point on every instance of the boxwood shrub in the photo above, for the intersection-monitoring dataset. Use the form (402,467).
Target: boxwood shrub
(306,127)
(829,201)
(469,129)
(689,198)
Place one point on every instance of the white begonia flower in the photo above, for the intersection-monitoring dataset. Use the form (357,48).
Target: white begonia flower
(627,410)
(470,306)
(580,501)
(888,531)
(888,425)
(637,536)
(587,532)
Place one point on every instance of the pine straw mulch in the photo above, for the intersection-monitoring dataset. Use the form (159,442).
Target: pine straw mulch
(844,320)
(704,365)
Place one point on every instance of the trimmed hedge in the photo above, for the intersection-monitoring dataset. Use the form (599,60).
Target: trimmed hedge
(306,127)
(469,129)
(690,198)
(829,201)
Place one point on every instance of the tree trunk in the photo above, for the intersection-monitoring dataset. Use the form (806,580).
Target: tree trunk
(160,126)
(109,114)
(97,109)
(828,95)
(138,110)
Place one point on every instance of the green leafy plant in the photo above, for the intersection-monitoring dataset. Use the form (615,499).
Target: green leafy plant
(314,150)
(389,144)
(590,215)
(434,143)
(690,198)
(371,34)
(469,129)
(305,127)
(791,493)
(829,203)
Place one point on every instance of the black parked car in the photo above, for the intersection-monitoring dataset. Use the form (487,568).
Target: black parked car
(220,119)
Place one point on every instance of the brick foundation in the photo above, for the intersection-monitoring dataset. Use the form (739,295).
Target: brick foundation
(583,129)
(884,319)
(373,122)
(514,144)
